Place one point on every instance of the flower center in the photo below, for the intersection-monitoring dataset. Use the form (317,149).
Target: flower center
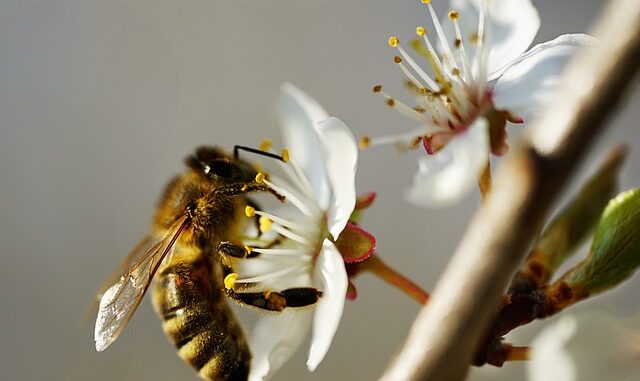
(450,99)
(295,234)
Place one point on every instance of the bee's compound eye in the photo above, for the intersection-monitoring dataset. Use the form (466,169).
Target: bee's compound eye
(221,168)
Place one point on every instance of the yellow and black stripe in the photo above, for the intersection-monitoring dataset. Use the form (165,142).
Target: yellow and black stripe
(188,295)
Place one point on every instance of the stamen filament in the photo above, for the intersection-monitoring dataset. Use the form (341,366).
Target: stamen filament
(282,221)
(466,73)
(403,108)
(443,40)
(291,235)
(283,252)
(275,274)
(430,82)
(290,197)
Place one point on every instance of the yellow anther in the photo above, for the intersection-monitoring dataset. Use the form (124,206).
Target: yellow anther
(265,224)
(244,188)
(249,211)
(377,88)
(420,31)
(453,15)
(285,155)
(230,280)
(265,145)
(455,72)
(397,59)
(391,102)
(426,1)
(473,37)
(364,142)
(260,178)
(393,41)
(248,249)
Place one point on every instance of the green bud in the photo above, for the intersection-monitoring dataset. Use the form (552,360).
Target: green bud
(614,256)
(573,225)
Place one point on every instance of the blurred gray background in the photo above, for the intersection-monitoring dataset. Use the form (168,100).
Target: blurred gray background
(101,100)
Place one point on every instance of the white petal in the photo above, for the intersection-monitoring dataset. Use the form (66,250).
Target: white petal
(297,115)
(528,84)
(331,273)
(274,339)
(513,26)
(445,177)
(587,347)
(341,157)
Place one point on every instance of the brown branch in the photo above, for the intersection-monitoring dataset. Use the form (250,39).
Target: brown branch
(447,331)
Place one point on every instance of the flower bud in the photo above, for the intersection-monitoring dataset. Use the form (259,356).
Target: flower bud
(614,255)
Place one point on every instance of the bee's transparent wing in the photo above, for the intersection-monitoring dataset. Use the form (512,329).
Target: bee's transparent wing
(120,301)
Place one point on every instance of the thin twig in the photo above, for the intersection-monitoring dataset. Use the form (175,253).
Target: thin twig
(447,331)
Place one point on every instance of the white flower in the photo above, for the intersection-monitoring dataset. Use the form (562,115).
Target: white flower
(587,347)
(482,77)
(318,182)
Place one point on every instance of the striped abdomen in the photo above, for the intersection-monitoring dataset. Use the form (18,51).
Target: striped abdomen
(188,297)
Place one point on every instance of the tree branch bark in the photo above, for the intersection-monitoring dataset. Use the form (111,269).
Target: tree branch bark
(446,333)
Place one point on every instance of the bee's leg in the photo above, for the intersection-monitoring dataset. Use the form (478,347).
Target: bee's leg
(277,300)
(227,250)
(243,188)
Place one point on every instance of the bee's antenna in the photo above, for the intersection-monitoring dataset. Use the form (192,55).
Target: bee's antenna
(238,148)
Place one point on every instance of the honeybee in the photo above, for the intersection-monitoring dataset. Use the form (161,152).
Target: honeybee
(196,231)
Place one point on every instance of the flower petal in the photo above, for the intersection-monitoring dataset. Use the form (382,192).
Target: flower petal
(331,273)
(297,115)
(341,157)
(586,347)
(528,83)
(513,26)
(445,177)
(274,339)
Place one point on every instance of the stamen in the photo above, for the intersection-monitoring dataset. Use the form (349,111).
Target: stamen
(284,252)
(285,155)
(453,15)
(230,280)
(299,178)
(259,177)
(431,55)
(249,211)
(265,145)
(364,142)
(403,108)
(424,76)
(481,51)
(291,197)
(265,224)
(268,218)
(441,36)
(291,235)
(275,274)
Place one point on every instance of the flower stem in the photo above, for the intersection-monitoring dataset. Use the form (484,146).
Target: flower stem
(517,353)
(389,275)
(484,181)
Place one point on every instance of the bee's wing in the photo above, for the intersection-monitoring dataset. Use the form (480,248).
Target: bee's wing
(120,301)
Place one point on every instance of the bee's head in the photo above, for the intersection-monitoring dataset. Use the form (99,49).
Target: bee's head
(215,164)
